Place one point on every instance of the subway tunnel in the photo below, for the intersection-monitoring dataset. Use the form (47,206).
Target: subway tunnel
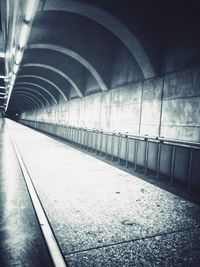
(99,133)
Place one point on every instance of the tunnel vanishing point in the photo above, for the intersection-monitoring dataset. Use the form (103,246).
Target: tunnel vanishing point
(117,80)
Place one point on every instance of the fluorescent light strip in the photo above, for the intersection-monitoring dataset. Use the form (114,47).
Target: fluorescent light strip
(23,36)
(30,9)
(10,89)
(18,57)
(15,68)
(9,94)
(2,55)
(2,87)
(13,77)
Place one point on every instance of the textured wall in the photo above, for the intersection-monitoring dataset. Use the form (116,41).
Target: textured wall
(151,106)
(172,100)
(181,102)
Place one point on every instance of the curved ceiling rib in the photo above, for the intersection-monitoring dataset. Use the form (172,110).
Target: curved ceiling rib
(38,86)
(19,105)
(34,91)
(28,97)
(18,97)
(59,72)
(46,80)
(112,24)
(15,92)
(75,56)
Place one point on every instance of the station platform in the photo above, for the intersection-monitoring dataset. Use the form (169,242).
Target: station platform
(21,239)
(100,215)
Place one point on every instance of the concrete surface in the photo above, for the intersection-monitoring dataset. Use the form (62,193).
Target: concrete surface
(21,241)
(162,106)
(103,216)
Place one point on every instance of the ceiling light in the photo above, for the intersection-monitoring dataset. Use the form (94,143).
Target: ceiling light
(15,68)
(18,57)
(8,99)
(13,51)
(12,82)
(13,76)
(23,36)
(2,54)
(30,9)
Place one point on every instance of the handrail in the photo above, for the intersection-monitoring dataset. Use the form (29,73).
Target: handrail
(163,140)
(178,141)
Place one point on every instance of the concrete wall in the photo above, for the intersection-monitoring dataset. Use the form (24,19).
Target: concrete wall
(162,106)
(181,102)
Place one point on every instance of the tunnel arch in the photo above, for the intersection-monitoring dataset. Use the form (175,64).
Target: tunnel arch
(75,56)
(47,81)
(30,96)
(24,89)
(109,22)
(37,86)
(69,66)
(20,105)
(49,67)
(25,99)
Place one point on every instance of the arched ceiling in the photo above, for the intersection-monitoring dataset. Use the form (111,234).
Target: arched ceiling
(71,51)
(79,47)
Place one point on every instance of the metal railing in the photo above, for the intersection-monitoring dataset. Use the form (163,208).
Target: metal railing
(157,155)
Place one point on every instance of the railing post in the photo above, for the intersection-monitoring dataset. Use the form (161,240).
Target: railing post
(85,138)
(127,150)
(67,133)
(75,132)
(136,153)
(106,150)
(77,136)
(96,141)
(158,159)
(92,141)
(172,164)
(119,148)
(72,134)
(146,156)
(112,146)
(81,137)
(189,177)
(101,141)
